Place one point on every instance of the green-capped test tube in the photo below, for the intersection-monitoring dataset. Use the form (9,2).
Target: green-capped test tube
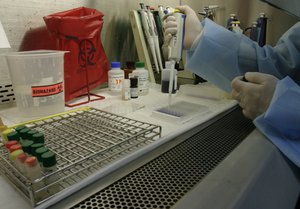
(38,137)
(19,128)
(35,146)
(14,135)
(24,133)
(49,167)
(26,145)
(31,133)
(39,151)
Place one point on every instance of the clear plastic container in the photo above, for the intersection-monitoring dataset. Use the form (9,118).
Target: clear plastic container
(38,78)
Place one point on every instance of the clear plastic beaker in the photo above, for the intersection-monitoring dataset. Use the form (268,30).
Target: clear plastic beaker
(38,81)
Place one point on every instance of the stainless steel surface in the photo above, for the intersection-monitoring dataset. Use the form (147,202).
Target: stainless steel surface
(256,175)
(164,180)
(85,141)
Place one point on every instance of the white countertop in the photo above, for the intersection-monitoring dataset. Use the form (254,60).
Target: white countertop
(212,99)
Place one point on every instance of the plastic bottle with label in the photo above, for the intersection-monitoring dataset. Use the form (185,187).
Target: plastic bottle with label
(143,78)
(115,78)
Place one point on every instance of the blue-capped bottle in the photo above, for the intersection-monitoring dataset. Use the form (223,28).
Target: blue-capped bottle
(262,29)
(115,78)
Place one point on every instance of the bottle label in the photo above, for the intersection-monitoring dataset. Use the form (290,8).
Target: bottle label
(115,82)
(134,93)
(47,90)
(143,82)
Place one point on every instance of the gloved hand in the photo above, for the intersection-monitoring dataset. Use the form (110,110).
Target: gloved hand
(255,95)
(193,27)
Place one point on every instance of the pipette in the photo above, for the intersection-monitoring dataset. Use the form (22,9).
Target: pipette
(161,12)
(175,48)
(155,36)
(149,33)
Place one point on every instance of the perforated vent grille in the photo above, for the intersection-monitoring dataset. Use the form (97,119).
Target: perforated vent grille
(164,180)
(6,93)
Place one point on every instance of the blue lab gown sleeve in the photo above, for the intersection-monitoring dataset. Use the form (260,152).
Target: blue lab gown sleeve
(280,123)
(220,55)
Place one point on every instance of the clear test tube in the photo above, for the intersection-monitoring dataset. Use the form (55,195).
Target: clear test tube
(20,162)
(13,155)
(49,168)
(32,168)
(11,143)
(15,147)
(33,172)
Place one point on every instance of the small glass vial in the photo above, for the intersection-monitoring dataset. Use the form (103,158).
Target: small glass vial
(49,168)
(126,90)
(134,90)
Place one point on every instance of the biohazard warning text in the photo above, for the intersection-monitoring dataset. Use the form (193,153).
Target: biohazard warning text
(42,91)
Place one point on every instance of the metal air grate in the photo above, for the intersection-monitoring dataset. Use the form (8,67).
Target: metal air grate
(6,93)
(166,179)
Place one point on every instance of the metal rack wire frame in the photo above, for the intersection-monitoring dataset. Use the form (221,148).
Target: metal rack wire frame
(120,135)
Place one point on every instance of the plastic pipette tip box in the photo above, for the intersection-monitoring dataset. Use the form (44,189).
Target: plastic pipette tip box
(179,112)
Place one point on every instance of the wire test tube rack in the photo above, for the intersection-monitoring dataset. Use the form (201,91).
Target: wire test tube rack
(84,141)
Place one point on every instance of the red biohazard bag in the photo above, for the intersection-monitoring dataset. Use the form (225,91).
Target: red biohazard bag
(86,65)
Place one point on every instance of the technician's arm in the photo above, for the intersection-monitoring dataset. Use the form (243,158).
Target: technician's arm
(220,55)
(280,123)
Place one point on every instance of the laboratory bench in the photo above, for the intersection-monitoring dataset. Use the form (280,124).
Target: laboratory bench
(213,158)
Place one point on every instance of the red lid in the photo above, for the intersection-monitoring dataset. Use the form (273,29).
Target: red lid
(15,147)
(31,161)
(22,157)
(10,143)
